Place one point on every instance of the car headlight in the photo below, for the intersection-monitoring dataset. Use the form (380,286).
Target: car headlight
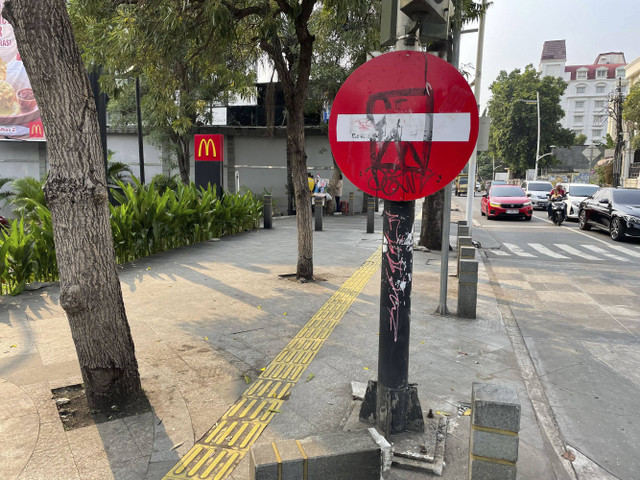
(527,204)
(575,202)
(632,219)
(494,204)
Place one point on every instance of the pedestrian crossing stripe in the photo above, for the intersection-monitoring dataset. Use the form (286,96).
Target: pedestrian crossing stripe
(219,451)
(596,253)
(545,251)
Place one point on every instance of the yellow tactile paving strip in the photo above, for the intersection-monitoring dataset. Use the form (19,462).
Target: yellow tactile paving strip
(218,452)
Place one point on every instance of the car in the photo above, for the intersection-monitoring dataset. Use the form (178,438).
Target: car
(506,201)
(576,193)
(614,210)
(537,191)
(461,184)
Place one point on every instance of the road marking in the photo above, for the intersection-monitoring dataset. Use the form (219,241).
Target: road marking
(545,251)
(219,451)
(602,251)
(626,251)
(576,252)
(517,250)
(500,253)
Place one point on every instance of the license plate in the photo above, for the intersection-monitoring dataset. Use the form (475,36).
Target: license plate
(513,211)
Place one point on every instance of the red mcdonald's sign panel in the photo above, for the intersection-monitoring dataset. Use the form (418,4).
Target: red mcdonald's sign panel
(208,148)
(35,129)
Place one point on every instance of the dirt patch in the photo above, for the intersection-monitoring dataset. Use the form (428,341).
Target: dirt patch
(74,411)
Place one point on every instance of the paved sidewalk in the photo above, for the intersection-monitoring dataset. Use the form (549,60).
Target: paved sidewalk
(206,319)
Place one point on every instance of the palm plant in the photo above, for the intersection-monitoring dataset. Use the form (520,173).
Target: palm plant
(27,196)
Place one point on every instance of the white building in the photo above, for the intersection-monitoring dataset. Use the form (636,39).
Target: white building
(585,101)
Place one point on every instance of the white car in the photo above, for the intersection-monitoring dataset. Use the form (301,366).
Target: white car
(575,193)
(537,191)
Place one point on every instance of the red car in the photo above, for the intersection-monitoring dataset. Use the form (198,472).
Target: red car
(506,201)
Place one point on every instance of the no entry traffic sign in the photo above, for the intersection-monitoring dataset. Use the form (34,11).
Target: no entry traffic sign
(403,125)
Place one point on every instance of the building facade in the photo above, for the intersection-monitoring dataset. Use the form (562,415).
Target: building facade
(586,99)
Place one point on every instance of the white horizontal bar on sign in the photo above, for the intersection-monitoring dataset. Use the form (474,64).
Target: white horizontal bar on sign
(404,127)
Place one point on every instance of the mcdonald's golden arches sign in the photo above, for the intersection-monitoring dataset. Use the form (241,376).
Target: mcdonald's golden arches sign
(208,148)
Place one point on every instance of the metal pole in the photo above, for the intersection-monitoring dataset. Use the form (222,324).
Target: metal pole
(471,187)
(444,262)
(538,143)
(267,212)
(370,213)
(395,317)
(590,160)
(140,143)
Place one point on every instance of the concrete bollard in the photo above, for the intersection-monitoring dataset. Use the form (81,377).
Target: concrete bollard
(335,456)
(463,231)
(465,252)
(318,202)
(267,211)
(495,423)
(370,212)
(463,241)
(352,202)
(467,289)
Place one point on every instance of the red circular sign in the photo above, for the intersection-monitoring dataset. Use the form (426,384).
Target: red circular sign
(403,125)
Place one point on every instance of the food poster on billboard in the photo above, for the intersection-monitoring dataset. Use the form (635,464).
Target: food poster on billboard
(19,113)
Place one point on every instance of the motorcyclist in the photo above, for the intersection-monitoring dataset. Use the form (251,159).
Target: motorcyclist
(557,193)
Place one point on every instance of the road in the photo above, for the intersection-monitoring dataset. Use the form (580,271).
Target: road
(575,296)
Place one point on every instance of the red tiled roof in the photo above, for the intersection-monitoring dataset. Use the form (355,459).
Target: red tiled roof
(554,50)
(591,72)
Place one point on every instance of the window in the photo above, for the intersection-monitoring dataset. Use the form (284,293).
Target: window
(578,118)
(579,104)
(577,132)
(602,73)
(580,89)
(599,104)
(582,73)
(598,120)
(600,89)
(596,133)
(620,72)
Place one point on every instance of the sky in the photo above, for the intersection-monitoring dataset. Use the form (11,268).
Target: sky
(515,31)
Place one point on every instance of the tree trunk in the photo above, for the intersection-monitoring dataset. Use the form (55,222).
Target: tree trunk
(184,153)
(75,190)
(296,153)
(431,229)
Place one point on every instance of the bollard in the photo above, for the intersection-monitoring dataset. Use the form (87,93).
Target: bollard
(467,289)
(465,252)
(365,202)
(267,212)
(336,456)
(318,202)
(462,242)
(370,212)
(352,202)
(463,231)
(495,423)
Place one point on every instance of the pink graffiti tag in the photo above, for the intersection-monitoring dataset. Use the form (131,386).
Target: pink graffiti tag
(394,264)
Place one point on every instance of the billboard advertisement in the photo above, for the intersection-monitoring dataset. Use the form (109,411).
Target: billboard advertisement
(19,113)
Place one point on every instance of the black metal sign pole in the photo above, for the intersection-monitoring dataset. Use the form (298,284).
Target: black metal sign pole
(395,315)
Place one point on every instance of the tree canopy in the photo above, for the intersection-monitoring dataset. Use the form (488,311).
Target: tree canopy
(631,112)
(514,128)
(185,57)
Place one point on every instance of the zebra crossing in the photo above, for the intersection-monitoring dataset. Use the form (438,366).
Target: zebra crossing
(562,251)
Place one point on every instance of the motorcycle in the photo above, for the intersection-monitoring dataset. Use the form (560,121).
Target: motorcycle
(558,212)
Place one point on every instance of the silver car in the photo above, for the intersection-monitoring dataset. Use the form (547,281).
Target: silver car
(537,191)
(575,193)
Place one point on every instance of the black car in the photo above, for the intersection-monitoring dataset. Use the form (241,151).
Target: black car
(614,210)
